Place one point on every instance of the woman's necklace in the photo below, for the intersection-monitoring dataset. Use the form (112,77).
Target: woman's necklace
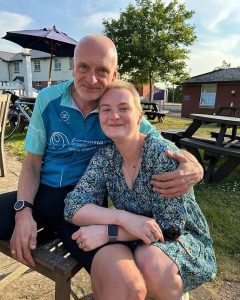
(134,162)
(131,174)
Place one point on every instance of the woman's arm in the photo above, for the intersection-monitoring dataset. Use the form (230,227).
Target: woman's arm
(139,227)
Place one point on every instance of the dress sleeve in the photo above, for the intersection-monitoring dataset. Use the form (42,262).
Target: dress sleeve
(169,212)
(91,187)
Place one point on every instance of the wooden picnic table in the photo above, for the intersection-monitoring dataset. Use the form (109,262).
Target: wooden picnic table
(225,145)
(151,110)
(229,111)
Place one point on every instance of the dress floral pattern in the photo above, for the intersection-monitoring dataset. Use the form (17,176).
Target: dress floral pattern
(192,251)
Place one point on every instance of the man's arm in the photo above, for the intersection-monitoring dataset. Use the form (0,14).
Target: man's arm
(23,239)
(180,181)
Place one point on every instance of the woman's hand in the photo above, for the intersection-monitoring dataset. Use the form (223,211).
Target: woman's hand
(141,227)
(90,237)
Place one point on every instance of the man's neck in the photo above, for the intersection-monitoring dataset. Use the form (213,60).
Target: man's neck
(84,106)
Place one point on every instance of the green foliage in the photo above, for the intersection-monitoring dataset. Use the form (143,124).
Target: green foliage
(224,65)
(14,145)
(152,39)
(175,94)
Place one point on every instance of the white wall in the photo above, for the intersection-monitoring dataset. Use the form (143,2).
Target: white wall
(64,74)
(4,73)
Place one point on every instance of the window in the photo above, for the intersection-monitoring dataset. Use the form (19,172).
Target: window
(208,95)
(57,64)
(38,85)
(16,67)
(37,65)
(70,63)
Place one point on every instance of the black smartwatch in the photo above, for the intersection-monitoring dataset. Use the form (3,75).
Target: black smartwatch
(112,232)
(21,204)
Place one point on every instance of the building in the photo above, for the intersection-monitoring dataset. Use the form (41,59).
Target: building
(11,68)
(207,92)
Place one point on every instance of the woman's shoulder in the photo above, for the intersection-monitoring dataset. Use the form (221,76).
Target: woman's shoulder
(159,144)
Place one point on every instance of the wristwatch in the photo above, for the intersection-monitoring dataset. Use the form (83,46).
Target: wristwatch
(21,204)
(112,232)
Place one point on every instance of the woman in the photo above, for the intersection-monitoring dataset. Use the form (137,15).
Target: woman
(169,238)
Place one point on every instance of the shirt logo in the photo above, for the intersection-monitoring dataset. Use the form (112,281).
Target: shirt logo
(58,140)
(64,116)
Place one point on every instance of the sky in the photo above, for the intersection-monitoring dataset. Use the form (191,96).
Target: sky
(217,25)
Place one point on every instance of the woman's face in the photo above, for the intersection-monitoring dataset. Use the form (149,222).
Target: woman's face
(118,115)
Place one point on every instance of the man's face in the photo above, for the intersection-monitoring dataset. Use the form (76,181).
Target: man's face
(94,68)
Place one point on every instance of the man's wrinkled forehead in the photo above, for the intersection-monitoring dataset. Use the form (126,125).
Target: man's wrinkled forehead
(98,45)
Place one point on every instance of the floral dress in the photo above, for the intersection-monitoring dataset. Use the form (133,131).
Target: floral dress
(192,251)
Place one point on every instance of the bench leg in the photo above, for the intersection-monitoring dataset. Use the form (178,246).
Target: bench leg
(225,169)
(2,161)
(209,176)
(62,287)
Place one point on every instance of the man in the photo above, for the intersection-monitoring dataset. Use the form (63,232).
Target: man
(63,134)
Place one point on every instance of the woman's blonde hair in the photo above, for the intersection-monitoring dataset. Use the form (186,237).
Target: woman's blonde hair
(120,84)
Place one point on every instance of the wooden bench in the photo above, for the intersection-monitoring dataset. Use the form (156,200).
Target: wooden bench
(215,134)
(4,104)
(212,152)
(173,135)
(52,261)
(210,147)
(151,115)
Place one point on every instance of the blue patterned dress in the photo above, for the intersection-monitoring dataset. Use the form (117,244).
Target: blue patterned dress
(192,252)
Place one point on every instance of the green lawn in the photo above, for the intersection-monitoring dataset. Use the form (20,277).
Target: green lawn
(220,203)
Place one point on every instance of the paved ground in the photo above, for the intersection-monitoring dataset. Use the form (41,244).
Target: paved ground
(17,283)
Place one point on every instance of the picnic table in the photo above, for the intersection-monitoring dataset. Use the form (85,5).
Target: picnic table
(229,111)
(224,145)
(151,110)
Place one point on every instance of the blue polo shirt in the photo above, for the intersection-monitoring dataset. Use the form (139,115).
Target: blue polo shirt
(66,139)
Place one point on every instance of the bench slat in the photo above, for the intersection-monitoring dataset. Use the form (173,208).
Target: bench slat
(213,148)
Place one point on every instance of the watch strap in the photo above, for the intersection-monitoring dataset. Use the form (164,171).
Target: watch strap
(21,204)
(112,232)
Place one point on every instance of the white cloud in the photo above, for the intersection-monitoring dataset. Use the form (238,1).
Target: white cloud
(96,19)
(203,61)
(222,16)
(212,14)
(12,22)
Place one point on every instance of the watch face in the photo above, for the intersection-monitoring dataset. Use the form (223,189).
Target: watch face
(112,230)
(19,205)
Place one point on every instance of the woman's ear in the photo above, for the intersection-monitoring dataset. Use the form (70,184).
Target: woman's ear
(140,117)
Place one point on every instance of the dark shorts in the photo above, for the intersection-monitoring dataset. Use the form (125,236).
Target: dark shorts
(47,212)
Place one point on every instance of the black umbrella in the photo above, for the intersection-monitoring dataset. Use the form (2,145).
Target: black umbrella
(48,40)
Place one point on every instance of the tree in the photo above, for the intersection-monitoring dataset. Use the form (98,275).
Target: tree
(224,65)
(151,39)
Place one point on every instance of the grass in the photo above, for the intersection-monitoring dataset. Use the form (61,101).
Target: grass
(219,202)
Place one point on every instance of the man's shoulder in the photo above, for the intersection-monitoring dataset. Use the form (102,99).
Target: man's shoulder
(162,144)
(55,90)
(52,93)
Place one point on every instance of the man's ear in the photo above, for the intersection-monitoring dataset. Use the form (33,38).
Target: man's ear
(115,74)
(140,117)
(73,72)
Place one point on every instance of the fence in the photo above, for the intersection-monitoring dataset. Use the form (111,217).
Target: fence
(13,86)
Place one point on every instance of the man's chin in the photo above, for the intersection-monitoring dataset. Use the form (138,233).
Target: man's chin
(89,97)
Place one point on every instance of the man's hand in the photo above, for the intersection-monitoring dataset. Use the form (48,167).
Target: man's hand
(90,237)
(24,236)
(180,181)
